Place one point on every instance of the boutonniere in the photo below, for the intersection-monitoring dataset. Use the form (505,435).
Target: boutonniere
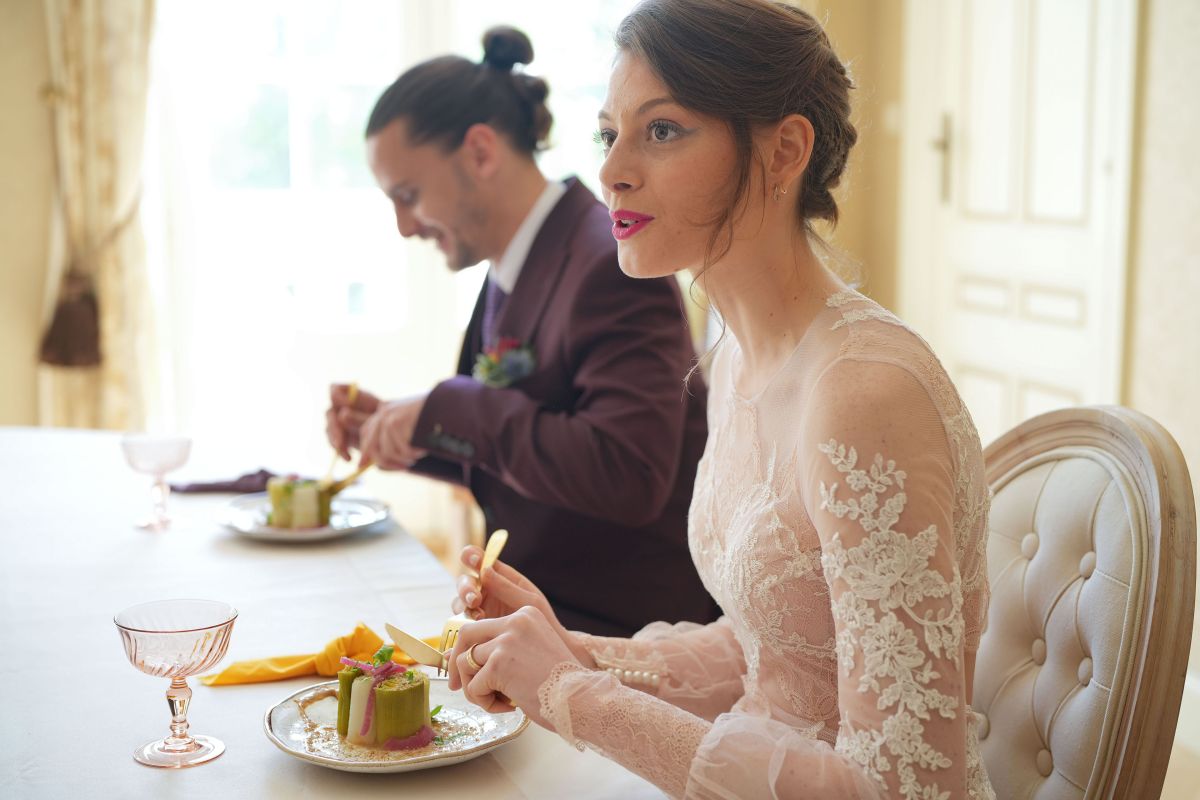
(504,364)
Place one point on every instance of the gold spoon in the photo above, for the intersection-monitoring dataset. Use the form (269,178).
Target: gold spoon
(333,487)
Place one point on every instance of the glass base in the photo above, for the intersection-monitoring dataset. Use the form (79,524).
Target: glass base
(156,754)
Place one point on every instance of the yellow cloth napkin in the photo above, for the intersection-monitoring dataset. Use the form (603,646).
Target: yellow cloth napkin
(360,645)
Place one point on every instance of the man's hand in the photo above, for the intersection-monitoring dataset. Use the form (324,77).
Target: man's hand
(344,419)
(386,437)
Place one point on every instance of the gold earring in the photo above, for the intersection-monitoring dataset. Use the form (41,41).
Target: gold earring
(778,193)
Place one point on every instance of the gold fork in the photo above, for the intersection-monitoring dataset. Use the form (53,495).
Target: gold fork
(454,624)
(449,637)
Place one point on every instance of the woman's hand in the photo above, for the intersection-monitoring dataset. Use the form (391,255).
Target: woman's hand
(501,591)
(515,655)
(497,593)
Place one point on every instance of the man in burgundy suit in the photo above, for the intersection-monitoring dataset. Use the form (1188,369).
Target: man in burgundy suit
(577,433)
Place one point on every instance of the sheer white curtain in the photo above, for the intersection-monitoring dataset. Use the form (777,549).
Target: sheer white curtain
(275,264)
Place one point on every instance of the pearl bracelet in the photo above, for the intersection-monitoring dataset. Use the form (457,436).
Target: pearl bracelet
(634,677)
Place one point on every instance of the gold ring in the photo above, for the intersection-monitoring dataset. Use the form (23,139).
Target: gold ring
(471,662)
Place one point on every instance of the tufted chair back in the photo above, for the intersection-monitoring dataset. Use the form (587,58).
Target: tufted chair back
(1092,561)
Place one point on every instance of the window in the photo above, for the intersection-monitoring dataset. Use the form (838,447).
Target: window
(274,259)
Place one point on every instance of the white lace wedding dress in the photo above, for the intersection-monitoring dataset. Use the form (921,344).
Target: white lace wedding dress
(839,518)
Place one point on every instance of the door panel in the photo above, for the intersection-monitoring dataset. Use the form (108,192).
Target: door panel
(1016,192)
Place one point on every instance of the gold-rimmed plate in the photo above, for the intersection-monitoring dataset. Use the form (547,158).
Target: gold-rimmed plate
(304,726)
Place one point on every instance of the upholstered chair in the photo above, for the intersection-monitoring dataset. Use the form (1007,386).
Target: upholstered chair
(1092,560)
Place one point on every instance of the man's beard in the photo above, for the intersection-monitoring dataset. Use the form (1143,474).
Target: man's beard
(473,218)
(461,256)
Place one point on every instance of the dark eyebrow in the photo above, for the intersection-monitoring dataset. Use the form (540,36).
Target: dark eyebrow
(643,108)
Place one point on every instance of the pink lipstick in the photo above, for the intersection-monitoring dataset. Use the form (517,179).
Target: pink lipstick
(627,223)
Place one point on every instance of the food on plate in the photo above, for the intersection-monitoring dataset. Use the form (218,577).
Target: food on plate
(299,502)
(381,704)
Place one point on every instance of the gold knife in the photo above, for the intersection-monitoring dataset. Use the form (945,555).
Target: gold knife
(494,546)
(416,649)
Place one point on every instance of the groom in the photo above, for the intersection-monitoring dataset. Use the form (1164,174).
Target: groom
(568,419)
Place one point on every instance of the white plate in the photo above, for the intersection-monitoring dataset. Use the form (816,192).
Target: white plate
(305,726)
(247,514)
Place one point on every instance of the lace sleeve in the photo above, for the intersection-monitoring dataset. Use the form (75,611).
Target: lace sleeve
(696,667)
(881,487)
(878,484)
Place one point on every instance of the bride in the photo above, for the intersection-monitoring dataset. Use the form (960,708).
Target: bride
(839,514)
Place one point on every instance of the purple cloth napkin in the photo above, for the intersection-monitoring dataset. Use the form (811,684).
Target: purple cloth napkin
(243,484)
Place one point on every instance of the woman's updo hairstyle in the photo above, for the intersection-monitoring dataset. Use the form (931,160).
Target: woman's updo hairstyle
(751,63)
(442,97)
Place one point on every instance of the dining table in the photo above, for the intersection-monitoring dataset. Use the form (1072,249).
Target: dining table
(72,707)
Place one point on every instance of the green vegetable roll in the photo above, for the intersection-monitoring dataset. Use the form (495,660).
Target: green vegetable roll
(345,679)
(401,706)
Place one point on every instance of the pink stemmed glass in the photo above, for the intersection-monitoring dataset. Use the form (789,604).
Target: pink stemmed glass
(156,455)
(174,639)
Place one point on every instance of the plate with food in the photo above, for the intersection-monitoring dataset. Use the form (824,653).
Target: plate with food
(297,509)
(381,717)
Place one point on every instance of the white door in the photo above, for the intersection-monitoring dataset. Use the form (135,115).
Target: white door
(1018,117)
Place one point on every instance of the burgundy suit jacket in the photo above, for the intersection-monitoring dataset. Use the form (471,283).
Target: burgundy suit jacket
(589,461)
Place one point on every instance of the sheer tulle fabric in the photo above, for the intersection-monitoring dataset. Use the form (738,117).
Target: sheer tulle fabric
(839,518)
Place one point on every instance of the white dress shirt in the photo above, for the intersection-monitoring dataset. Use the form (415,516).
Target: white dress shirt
(506,271)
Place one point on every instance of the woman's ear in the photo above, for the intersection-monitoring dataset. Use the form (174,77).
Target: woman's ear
(789,150)
(481,150)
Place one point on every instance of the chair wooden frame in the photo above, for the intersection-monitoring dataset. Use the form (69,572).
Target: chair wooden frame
(1139,744)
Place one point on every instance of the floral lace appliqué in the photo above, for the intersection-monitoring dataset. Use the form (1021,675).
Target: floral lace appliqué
(887,575)
(860,314)
(839,299)
(972,498)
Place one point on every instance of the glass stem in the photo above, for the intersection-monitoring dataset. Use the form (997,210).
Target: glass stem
(160,491)
(178,698)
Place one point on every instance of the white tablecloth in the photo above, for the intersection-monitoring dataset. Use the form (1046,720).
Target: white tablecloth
(72,708)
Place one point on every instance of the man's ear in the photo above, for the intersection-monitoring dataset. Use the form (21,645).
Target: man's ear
(481,151)
(789,148)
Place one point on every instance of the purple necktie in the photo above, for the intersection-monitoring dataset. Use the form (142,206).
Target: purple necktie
(493,304)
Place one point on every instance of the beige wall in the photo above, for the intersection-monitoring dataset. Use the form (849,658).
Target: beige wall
(26,172)
(868,36)
(1163,336)
(1162,352)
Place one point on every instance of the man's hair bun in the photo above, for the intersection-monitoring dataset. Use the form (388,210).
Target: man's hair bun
(504,46)
(443,97)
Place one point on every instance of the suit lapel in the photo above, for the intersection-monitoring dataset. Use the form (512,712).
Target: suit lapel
(473,337)
(543,266)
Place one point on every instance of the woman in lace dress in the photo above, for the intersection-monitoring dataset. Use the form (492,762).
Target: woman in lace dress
(839,513)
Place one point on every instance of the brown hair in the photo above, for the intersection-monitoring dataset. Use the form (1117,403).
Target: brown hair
(442,97)
(751,63)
